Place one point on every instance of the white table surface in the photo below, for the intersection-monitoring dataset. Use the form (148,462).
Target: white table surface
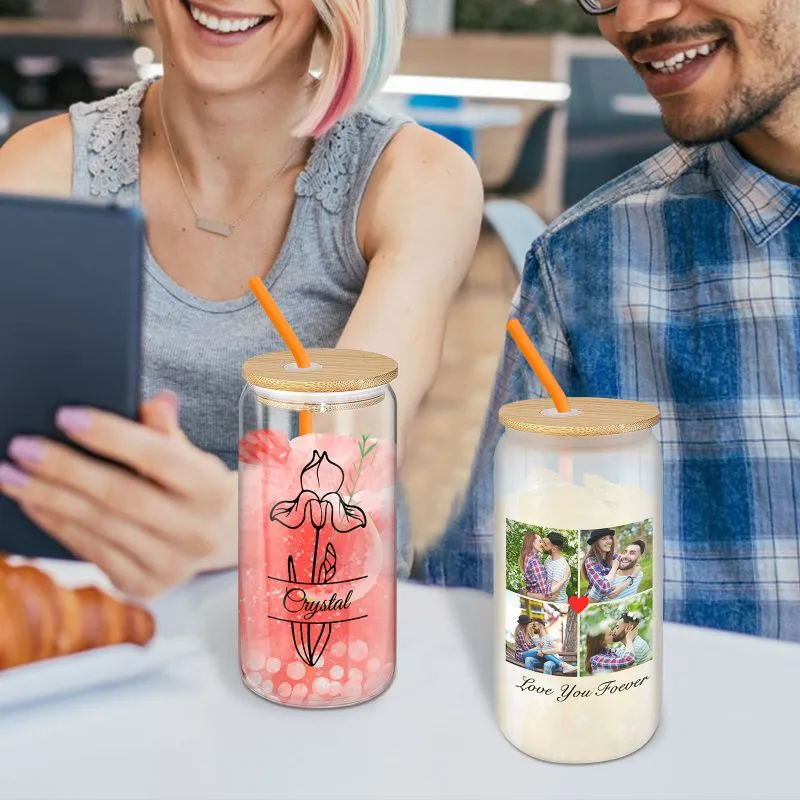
(728,729)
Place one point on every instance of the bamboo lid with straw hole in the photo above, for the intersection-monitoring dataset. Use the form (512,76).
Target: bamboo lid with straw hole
(295,371)
(329,371)
(590,416)
(578,416)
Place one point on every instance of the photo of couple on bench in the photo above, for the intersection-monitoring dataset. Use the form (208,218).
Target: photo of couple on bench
(541,648)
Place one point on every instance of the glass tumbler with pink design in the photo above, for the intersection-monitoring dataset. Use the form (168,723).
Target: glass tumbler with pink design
(317,538)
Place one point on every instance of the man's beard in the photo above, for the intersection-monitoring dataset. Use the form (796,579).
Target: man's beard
(748,106)
(619,637)
(751,106)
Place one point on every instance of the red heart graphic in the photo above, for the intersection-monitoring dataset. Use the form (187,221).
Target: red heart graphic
(577,604)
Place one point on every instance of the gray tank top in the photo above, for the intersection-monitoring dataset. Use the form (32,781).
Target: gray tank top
(196,347)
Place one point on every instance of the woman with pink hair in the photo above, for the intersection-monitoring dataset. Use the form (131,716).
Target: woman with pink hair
(257,153)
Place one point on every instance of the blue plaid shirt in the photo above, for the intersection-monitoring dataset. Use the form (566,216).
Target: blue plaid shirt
(676,284)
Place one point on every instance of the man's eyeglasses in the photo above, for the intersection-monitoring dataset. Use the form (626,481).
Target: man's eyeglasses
(597,7)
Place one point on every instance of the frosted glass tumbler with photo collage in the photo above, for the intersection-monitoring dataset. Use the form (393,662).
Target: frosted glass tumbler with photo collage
(579,578)
(317,530)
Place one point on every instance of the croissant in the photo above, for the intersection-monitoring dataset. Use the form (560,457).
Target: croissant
(40,620)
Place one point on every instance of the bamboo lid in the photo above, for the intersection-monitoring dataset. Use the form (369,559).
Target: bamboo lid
(332,371)
(590,416)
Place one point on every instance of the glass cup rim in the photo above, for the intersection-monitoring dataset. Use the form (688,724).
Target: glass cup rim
(320,402)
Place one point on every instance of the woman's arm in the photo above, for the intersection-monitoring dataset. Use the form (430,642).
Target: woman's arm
(418,229)
(612,660)
(38,159)
(535,574)
(596,577)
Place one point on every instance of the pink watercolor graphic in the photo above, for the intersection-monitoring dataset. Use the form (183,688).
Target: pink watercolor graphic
(317,567)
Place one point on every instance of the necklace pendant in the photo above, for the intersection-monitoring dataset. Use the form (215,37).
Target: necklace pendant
(213,226)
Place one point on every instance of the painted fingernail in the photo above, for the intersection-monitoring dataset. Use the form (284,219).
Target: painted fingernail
(11,476)
(26,449)
(73,420)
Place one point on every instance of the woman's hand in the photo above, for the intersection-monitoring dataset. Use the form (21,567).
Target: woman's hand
(149,529)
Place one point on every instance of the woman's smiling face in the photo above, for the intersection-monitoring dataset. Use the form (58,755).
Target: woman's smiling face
(229,46)
(605,544)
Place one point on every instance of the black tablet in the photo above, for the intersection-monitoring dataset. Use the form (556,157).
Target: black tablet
(70,323)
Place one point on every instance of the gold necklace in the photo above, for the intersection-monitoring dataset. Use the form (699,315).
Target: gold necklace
(204,223)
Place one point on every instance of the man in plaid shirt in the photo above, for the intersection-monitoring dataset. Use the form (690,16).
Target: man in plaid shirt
(679,284)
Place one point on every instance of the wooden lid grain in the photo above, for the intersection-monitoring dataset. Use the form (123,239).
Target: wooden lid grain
(594,416)
(338,371)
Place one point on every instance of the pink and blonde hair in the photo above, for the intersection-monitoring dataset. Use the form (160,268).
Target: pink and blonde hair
(362,40)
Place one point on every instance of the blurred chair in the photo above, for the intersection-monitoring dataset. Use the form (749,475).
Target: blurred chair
(603,143)
(517,225)
(529,168)
(458,134)
(10,80)
(6,116)
(71,84)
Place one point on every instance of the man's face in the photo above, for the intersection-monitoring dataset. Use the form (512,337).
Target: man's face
(716,67)
(630,556)
(547,545)
(619,631)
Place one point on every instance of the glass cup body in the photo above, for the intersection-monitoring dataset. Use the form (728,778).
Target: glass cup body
(606,707)
(317,549)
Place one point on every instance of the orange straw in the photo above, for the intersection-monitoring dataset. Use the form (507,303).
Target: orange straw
(287,334)
(528,349)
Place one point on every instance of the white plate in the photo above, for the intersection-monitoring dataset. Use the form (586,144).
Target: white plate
(58,677)
(81,672)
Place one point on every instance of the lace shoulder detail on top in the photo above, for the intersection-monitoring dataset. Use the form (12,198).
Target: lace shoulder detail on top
(337,158)
(114,139)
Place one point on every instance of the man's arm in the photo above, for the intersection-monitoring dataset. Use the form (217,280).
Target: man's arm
(621,587)
(549,648)
(556,589)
